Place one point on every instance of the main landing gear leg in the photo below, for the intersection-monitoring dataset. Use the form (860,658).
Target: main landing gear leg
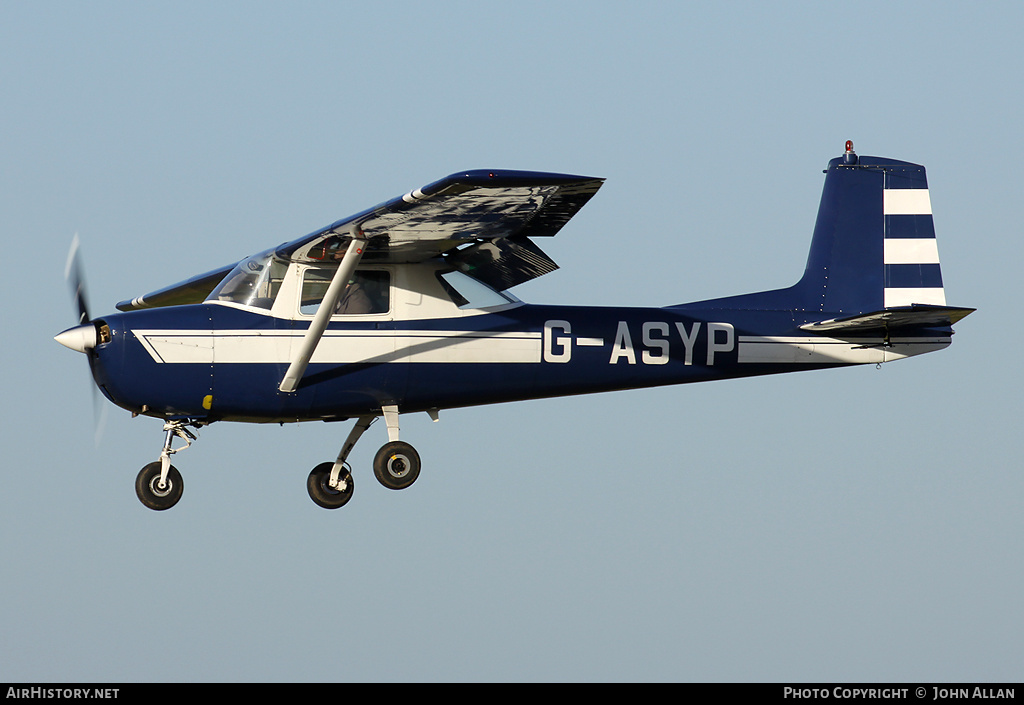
(396,465)
(159,485)
(330,484)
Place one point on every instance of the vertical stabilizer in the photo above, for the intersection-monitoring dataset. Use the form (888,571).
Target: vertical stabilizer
(874,241)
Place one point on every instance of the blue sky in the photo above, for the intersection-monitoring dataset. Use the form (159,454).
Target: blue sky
(848,525)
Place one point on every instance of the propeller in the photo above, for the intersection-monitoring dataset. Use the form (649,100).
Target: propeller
(76,280)
(83,336)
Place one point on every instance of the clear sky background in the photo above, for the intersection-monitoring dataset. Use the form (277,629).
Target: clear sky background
(846,525)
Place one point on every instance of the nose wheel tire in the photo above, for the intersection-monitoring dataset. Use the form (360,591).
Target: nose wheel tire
(321,492)
(151,494)
(396,465)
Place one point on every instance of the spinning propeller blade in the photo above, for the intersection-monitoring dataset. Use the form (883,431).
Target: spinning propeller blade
(75,338)
(76,280)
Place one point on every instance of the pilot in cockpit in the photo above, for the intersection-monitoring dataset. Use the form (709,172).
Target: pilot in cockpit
(356,298)
(367,290)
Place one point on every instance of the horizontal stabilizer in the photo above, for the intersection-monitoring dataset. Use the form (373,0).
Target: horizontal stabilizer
(891,319)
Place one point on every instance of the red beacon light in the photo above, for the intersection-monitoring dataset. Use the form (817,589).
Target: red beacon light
(850,157)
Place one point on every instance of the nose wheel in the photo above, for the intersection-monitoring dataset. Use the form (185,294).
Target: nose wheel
(155,493)
(159,485)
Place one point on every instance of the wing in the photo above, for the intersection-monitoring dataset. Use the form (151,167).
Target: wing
(190,291)
(479,221)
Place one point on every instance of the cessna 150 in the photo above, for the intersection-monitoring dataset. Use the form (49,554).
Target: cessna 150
(405,308)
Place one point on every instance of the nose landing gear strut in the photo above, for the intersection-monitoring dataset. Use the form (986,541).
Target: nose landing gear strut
(159,484)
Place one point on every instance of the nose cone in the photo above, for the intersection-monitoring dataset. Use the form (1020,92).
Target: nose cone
(80,338)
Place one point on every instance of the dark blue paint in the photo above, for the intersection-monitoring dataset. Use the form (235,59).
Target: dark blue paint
(913,275)
(902,226)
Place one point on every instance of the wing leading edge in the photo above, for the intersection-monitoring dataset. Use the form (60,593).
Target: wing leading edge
(190,291)
(479,221)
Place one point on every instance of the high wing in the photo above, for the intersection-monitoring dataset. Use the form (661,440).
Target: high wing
(479,221)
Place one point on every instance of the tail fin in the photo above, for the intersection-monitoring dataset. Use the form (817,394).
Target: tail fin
(873,262)
(874,241)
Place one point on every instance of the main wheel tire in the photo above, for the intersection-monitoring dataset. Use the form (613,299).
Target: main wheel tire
(147,487)
(396,465)
(322,493)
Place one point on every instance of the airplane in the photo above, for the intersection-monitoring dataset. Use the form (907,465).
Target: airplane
(406,308)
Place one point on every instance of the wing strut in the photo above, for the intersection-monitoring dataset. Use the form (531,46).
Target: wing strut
(323,314)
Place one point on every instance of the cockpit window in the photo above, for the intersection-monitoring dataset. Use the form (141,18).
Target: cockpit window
(254,282)
(368,292)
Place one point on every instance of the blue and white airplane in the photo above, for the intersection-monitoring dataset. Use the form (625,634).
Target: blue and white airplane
(405,308)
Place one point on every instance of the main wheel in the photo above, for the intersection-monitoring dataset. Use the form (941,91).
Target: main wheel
(147,487)
(322,493)
(396,465)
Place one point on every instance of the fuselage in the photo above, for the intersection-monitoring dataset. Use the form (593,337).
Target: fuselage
(221,360)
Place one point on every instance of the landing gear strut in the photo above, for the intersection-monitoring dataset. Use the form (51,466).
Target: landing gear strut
(396,465)
(159,485)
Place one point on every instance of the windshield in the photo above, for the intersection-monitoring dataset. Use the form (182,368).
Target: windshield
(255,281)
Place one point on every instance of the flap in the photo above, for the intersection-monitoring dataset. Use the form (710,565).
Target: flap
(503,263)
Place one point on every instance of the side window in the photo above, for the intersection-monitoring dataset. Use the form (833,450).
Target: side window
(368,292)
(467,292)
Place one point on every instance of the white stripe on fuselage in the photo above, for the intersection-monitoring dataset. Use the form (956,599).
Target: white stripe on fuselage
(816,350)
(341,347)
(348,347)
